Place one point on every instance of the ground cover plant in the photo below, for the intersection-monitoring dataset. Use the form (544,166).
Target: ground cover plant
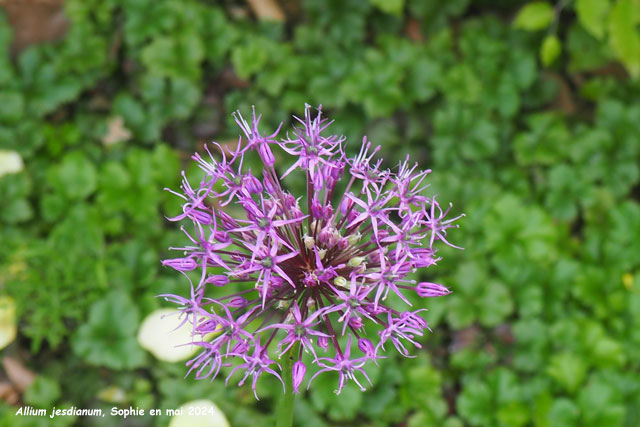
(528,113)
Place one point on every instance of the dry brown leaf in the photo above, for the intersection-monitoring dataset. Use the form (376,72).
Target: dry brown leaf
(291,8)
(8,393)
(32,2)
(229,77)
(413,31)
(116,131)
(20,376)
(267,10)
(464,338)
(503,333)
(35,21)
(229,145)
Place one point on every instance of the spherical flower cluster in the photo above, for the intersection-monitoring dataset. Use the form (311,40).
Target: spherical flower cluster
(311,270)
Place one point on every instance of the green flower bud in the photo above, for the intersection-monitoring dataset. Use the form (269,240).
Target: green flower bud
(354,238)
(309,242)
(341,281)
(355,261)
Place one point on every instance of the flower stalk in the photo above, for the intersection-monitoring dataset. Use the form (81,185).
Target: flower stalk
(284,411)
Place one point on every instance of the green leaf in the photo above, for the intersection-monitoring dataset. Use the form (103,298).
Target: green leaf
(544,144)
(382,401)
(183,99)
(541,409)
(550,49)
(459,312)
(513,414)
(601,404)
(585,51)
(346,406)
(43,392)
(114,178)
(568,370)
(218,35)
(523,68)
(494,305)
(504,385)
(474,404)
(248,59)
(108,338)
(394,7)
(530,301)
(530,332)
(420,418)
(177,56)
(166,165)
(624,35)
(133,263)
(75,177)
(130,109)
(423,79)
(340,408)
(11,106)
(375,83)
(592,14)
(452,422)
(508,98)
(16,211)
(563,413)
(603,351)
(534,16)
(422,385)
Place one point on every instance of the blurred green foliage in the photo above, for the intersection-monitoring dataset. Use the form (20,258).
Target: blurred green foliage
(528,113)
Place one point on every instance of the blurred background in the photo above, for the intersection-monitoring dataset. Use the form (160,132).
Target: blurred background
(527,112)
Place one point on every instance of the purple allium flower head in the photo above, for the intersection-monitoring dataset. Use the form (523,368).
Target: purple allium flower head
(306,271)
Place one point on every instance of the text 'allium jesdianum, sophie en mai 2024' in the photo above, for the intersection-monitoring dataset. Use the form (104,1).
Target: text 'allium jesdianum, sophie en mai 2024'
(304,271)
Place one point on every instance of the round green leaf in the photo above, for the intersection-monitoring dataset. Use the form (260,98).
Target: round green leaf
(108,338)
(75,177)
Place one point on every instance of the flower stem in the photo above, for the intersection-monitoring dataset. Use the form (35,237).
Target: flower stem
(284,411)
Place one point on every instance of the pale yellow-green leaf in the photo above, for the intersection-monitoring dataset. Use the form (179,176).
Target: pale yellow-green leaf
(592,14)
(159,336)
(8,328)
(550,49)
(112,394)
(10,162)
(534,16)
(624,37)
(199,413)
